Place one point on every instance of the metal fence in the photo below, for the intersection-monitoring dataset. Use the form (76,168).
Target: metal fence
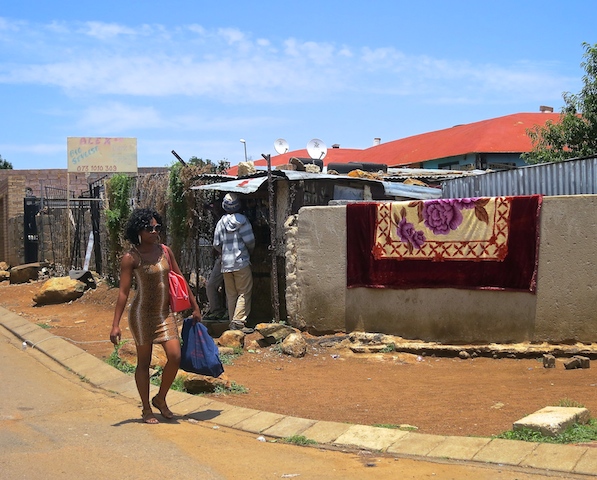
(65,226)
(571,177)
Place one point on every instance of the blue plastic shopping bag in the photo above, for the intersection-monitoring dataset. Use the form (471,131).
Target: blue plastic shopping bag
(199,353)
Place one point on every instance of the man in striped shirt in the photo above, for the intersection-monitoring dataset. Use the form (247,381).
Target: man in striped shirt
(234,239)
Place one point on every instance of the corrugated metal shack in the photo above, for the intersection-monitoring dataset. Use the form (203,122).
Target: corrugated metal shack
(570,177)
(291,191)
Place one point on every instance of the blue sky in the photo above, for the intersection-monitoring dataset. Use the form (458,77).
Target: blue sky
(197,76)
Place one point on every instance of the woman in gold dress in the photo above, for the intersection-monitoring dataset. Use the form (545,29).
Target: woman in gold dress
(150,319)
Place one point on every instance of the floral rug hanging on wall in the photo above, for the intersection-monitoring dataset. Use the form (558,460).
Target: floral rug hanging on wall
(478,243)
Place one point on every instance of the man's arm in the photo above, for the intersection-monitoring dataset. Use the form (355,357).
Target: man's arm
(217,243)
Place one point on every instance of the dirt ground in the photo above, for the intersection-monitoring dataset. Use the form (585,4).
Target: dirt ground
(438,395)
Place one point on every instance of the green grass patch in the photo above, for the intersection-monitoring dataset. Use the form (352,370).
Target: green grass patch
(178,384)
(566,402)
(577,433)
(299,440)
(389,348)
(235,388)
(45,326)
(393,426)
(156,379)
(115,361)
(228,359)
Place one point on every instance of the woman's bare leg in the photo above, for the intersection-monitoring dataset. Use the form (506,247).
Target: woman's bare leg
(172,349)
(142,380)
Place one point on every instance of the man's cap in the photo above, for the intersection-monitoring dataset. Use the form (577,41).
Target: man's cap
(231,203)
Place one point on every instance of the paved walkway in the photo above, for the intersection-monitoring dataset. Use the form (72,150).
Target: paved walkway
(558,458)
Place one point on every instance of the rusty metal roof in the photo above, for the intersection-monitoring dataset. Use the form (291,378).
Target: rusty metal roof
(252,184)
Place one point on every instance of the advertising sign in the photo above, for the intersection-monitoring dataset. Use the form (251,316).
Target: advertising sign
(101,155)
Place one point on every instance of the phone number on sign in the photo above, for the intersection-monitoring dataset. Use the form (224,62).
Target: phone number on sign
(96,168)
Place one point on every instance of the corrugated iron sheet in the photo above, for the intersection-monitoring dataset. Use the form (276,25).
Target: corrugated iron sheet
(251,185)
(399,189)
(432,173)
(571,177)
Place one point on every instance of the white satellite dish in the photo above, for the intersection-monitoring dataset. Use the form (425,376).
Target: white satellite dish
(281,145)
(316,149)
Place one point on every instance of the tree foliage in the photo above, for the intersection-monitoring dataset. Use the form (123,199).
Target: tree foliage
(182,214)
(177,207)
(5,164)
(118,189)
(575,135)
(219,167)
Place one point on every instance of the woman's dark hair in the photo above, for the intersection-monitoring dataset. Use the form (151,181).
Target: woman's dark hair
(139,219)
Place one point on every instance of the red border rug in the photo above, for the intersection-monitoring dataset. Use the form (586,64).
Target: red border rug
(416,244)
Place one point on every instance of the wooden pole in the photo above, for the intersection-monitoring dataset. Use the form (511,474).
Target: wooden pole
(273,241)
(68,247)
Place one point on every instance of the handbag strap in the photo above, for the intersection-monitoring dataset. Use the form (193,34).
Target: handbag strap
(167,255)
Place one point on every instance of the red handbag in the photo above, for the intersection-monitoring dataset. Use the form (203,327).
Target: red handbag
(179,290)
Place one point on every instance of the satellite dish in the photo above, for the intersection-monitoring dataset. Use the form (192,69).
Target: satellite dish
(316,149)
(281,145)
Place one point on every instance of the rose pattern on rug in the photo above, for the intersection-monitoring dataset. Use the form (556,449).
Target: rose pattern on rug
(445,229)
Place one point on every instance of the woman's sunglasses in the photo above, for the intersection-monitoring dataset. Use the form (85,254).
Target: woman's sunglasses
(153,228)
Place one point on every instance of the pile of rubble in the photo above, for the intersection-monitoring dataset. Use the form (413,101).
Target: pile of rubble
(289,339)
(4,271)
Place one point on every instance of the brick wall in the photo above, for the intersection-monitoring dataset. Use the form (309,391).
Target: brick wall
(15,185)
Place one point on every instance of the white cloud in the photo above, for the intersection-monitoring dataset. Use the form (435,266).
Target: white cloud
(33,149)
(8,26)
(232,35)
(114,117)
(109,59)
(105,31)
(197,29)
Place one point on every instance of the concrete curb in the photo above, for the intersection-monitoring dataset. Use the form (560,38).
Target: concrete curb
(573,459)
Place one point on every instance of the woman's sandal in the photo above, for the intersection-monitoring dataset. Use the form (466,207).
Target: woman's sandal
(149,417)
(163,408)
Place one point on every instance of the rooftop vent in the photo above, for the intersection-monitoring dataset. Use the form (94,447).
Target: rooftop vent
(336,145)
(545,109)
(376,141)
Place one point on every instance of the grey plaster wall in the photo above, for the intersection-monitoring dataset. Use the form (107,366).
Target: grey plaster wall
(321,269)
(567,274)
(563,308)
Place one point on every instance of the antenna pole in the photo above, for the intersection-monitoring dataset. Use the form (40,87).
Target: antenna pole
(178,158)
(273,242)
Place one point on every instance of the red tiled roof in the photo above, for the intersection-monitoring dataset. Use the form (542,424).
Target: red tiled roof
(497,135)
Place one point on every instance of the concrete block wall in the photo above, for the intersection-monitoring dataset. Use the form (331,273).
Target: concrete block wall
(3,219)
(562,310)
(11,240)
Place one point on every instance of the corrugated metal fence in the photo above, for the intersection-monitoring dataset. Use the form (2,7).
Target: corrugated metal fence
(571,177)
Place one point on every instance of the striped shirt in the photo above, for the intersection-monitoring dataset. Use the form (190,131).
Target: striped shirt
(234,238)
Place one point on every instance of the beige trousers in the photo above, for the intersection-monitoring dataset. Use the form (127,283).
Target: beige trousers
(238,287)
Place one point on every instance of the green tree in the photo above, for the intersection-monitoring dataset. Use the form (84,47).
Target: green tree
(177,207)
(118,189)
(575,135)
(219,167)
(5,164)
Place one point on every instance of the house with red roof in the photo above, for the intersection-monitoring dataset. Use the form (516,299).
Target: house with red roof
(495,143)
(489,144)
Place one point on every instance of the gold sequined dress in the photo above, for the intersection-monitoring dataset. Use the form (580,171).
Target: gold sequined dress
(150,319)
